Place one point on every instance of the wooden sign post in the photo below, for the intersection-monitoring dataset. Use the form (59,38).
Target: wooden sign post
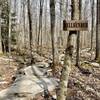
(76,26)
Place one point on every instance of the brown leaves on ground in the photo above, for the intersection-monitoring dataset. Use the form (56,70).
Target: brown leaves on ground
(7,70)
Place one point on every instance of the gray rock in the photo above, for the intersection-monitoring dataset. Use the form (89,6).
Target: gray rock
(3,82)
(95,64)
(28,85)
(42,64)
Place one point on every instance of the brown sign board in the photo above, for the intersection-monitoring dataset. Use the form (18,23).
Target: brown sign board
(75,25)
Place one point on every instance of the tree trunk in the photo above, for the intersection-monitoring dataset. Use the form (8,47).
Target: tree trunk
(40,25)
(9,27)
(23,4)
(68,55)
(60,40)
(36,26)
(92,24)
(62,92)
(46,23)
(0,33)
(78,37)
(30,30)
(98,32)
(52,15)
(77,50)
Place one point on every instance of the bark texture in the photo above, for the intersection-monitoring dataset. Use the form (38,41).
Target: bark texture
(0,33)
(98,31)
(30,28)
(68,55)
(52,15)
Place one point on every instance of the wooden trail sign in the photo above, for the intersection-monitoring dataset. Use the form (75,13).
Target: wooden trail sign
(75,25)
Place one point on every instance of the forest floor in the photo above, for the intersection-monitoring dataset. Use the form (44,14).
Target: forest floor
(84,81)
(8,68)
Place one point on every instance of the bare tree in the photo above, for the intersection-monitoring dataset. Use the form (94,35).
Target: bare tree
(36,25)
(23,4)
(9,27)
(60,33)
(92,24)
(30,29)
(98,32)
(52,14)
(0,32)
(46,21)
(40,22)
(68,55)
(78,37)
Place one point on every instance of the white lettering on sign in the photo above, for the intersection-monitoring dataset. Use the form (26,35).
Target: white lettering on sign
(75,25)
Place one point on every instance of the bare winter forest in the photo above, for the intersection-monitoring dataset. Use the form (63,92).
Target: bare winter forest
(49,50)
